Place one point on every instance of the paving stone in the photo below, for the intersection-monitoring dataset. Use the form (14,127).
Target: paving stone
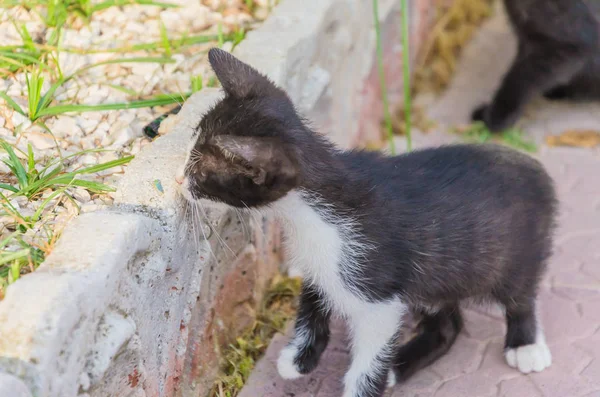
(466,351)
(471,385)
(520,386)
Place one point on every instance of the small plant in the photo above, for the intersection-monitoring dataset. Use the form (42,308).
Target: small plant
(40,106)
(29,241)
(382,81)
(277,308)
(237,36)
(55,13)
(165,39)
(479,133)
(197,83)
(30,182)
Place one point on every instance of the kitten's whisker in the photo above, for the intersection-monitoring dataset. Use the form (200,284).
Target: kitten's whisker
(214,230)
(258,224)
(245,229)
(197,223)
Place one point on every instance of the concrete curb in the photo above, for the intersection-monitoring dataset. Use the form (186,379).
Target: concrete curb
(130,303)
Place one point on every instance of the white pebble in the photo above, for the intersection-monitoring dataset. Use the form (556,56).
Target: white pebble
(82,195)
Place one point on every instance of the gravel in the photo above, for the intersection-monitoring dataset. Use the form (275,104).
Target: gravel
(119,133)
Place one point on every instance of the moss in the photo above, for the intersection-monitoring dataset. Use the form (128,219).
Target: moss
(277,308)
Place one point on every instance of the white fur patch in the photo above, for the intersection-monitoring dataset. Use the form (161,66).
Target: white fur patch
(391,380)
(321,245)
(285,364)
(373,328)
(530,358)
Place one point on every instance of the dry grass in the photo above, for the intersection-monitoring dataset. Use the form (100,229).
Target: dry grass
(277,308)
(455,25)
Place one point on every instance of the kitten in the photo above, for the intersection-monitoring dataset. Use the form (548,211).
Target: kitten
(376,236)
(558,55)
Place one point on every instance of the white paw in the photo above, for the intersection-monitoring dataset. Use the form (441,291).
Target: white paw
(391,380)
(535,357)
(285,364)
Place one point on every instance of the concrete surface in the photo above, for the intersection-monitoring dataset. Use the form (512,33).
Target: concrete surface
(130,303)
(570,295)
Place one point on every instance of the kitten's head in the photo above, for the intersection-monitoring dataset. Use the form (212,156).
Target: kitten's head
(243,151)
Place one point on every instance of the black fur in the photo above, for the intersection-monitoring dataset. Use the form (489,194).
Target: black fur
(436,335)
(313,317)
(455,222)
(558,56)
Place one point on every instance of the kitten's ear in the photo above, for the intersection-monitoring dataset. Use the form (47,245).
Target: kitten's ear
(263,158)
(236,77)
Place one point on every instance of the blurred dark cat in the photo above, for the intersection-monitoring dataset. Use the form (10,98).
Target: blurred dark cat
(558,56)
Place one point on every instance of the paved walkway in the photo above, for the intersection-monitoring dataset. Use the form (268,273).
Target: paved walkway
(570,296)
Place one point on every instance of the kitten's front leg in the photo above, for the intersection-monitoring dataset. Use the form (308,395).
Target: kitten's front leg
(303,352)
(374,330)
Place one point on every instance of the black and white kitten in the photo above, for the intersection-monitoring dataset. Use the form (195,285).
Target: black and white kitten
(558,56)
(376,236)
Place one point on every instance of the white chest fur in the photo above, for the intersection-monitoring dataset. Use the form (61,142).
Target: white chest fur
(323,247)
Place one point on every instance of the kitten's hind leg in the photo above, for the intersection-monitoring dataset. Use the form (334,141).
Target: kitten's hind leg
(525,347)
(302,354)
(437,333)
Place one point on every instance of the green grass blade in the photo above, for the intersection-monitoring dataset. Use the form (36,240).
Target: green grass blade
(159,101)
(11,103)
(9,187)
(104,166)
(165,39)
(12,62)
(129,60)
(382,82)
(34,81)
(406,74)
(69,180)
(38,212)
(55,171)
(197,83)
(13,256)
(95,187)
(9,208)
(7,240)
(27,40)
(18,168)
(118,3)
(15,270)
(30,158)
(220,37)
(47,97)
